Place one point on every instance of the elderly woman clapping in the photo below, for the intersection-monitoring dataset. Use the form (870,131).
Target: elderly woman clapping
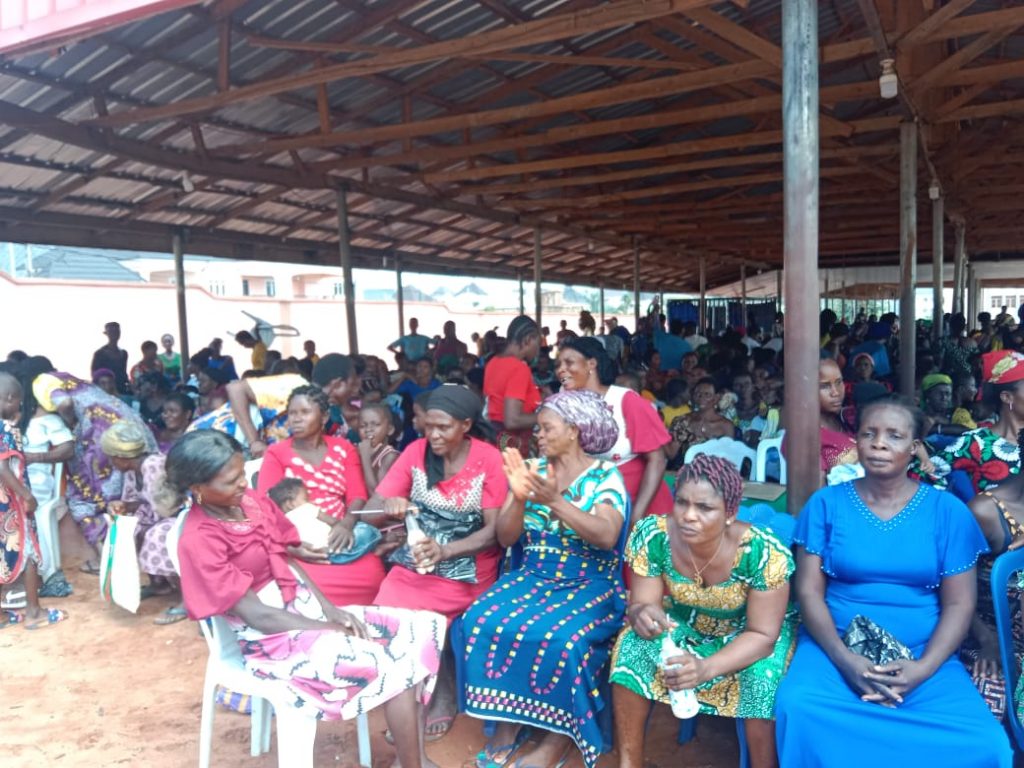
(719,589)
(539,640)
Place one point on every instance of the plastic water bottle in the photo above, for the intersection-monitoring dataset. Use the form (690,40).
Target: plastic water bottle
(415,534)
(684,702)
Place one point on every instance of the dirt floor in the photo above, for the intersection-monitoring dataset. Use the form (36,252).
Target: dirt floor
(109,688)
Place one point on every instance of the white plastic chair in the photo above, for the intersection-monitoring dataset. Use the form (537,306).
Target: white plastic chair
(764,447)
(296,731)
(47,526)
(733,450)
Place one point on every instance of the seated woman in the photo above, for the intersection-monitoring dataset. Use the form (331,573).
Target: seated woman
(1000,513)
(335,663)
(903,555)
(457,483)
(702,424)
(125,445)
(937,401)
(330,469)
(176,416)
(838,445)
(731,613)
(568,509)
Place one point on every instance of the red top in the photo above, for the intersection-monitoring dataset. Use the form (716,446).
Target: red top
(644,427)
(508,377)
(332,485)
(221,560)
(479,485)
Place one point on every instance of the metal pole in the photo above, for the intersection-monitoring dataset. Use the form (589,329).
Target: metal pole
(800,244)
(908,255)
(522,294)
(958,268)
(938,259)
(636,284)
(178,246)
(345,252)
(703,309)
(743,293)
(538,274)
(400,295)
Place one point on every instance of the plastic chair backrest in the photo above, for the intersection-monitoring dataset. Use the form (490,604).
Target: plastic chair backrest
(726,447)
(1004,567)
(764,516)
(173,537)
(764,446)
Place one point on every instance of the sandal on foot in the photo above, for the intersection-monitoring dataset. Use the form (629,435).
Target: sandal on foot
(151,590)
(445,720)
(560,764)
(10,619)
(91,568)
(485,758)
(172,615)
(52,616)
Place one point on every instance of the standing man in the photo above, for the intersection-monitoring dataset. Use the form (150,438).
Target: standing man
(112,357)
(413,345)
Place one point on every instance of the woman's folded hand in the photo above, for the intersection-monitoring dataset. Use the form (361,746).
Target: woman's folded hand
(901,677)
(686,672)
(340,537)
(309,553)
(649,621)
(856,669)
(347,623)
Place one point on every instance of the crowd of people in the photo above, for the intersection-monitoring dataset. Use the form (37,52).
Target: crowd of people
(524,528)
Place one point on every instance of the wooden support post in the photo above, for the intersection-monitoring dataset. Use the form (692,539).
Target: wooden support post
(601,293)
(538,275)
(778,291)
(178,247)
(224,56)
(800,244)
(938,258)
(908,256)
(400,297)
(703,309)
(522,294)
(959,261)
(636,284)
(972,296)
(345,252)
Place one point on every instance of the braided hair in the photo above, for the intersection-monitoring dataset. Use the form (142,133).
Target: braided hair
(720,473)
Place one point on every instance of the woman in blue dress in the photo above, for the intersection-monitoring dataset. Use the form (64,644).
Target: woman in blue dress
(902,554)
(537,643)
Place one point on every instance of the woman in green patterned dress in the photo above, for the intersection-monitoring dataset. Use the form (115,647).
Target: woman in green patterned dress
(727,589)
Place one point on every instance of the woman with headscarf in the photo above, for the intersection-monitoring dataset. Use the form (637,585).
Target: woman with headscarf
(638,450)
(989,455)
(457,484)
(510,393)
(143,471)
(92,479)
(719,589)
(937,404)
(537,644)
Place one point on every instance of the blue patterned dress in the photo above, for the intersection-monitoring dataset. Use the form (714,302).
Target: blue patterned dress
(538,642)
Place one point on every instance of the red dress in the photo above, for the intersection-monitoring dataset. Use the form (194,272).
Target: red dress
(509,378)
(479,485)
(332,485)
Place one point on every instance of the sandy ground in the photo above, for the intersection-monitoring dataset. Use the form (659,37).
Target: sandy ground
(109,688)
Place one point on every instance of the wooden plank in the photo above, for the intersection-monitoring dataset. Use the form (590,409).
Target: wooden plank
(620,94)
(996,109)
(934,22)
(937,75)
(737,35)
(542,30)
(224,56)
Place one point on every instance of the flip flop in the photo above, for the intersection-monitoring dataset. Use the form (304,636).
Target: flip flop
(91,568)
(485,757)
(149,591)
(172,615)
(559,764)
(53,616)
(12,618)
(446,720)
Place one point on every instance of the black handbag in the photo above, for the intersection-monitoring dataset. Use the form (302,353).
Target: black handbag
(445,526)
(867,639)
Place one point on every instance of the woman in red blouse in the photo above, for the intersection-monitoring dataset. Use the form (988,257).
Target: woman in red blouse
(511,395)
(330,469)
(236,560)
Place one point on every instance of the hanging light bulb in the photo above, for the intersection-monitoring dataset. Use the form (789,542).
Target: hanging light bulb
(888,83)
(934,191)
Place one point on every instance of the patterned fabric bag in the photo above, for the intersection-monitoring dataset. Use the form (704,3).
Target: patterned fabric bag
(445,526)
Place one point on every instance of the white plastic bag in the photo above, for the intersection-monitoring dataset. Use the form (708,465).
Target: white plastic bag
(119,564)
